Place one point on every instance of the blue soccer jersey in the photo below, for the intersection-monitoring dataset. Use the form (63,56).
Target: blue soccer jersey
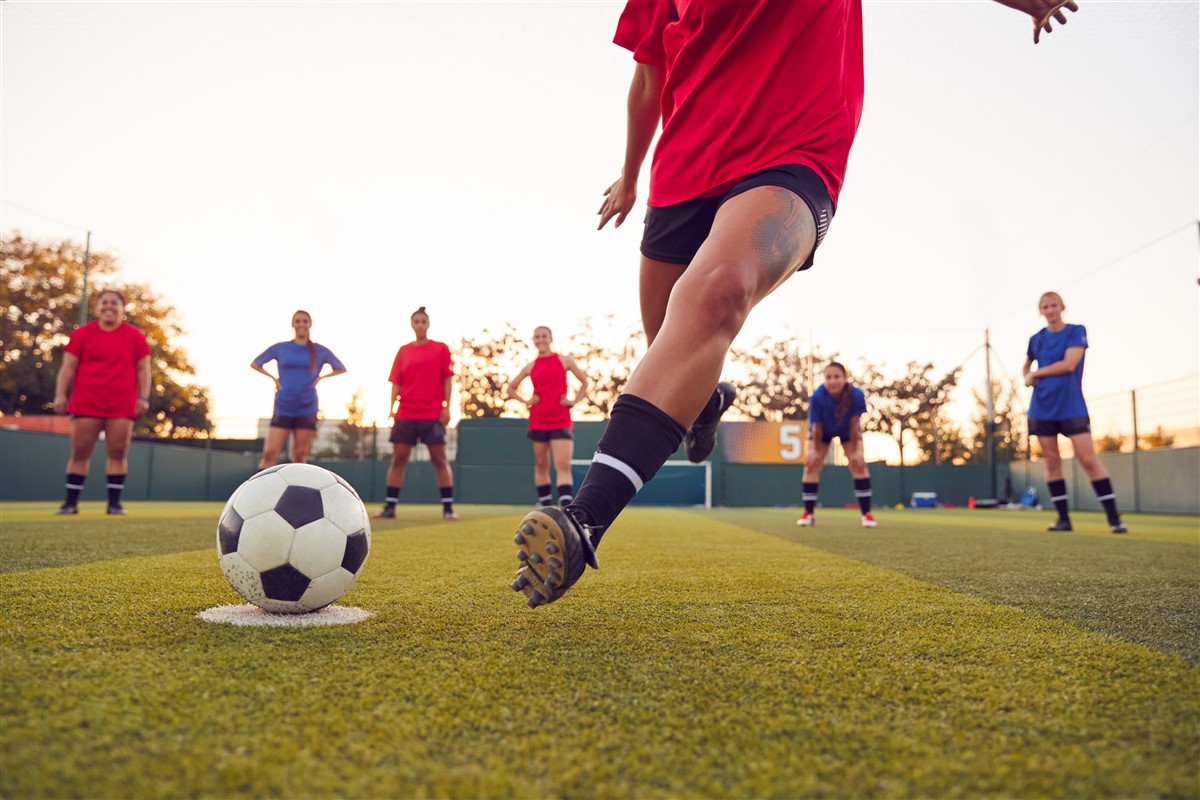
(1058,396)
(822,409)
(297,395)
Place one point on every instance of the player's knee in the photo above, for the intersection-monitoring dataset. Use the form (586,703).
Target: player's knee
(724,296)
(857,464)
(117,453)
(399,459)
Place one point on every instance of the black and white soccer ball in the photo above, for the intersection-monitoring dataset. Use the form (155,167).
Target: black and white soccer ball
(293,538)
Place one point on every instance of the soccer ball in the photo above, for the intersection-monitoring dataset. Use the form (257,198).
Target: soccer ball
(293,538)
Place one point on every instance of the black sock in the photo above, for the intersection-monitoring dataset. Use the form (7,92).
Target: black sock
(565,494)
(862,491)
(545,497)
(1108,499)
(74,488)
(1058,493)
(392,497)
(447,493)
(712,410)
(638,440)
(116,484)
(809,496)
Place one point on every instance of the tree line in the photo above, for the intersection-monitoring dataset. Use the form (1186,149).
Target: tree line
(43,282)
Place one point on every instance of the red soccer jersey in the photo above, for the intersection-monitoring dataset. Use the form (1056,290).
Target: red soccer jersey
(549,378)
(105,382)
(420,370)
(748,85)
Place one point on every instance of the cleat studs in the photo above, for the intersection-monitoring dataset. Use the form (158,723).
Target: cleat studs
(551,548)
(535,558)
(520,583)
(522,555)
(555,563)
(527,529)
(534,600)
(553,579)
(518,539)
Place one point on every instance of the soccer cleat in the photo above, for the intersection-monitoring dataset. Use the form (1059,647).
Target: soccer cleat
(117,511)
(449,516)
(67,509)
(807,520)
(701,438)
(1119,528)
(389,512)
(553,548)
(868,521)
(1061,525)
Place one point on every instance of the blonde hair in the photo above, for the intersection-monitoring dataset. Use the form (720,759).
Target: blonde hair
(1055,295)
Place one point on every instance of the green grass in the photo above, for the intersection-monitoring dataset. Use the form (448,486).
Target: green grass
(716,654)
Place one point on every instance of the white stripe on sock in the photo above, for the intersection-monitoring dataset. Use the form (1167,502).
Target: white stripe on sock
(1106,496)
(621,467)
(74,485)
(1060,497)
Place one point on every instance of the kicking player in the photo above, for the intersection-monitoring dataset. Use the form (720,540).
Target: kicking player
(759,102)
(550,426)
(833,413)
(1057,407)
(422,377)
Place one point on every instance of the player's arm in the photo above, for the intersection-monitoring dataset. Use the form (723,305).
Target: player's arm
(1068,364)
(580,375)
(66,376)
(855,433)
(1027,371)
(510,391)
(143,386)
(447,390)
(643,111)
(330,374)
(392,401)
(254,365)
(1042,12)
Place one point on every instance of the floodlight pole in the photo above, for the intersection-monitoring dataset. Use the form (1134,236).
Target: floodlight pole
(87,252)
(990,428)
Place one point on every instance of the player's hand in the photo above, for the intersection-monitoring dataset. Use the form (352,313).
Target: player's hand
(565,401)
(60,404)
(1030,379)
(533,400)
(278,385)
(445,417)
(1043,12)
(619,200)
(141,407)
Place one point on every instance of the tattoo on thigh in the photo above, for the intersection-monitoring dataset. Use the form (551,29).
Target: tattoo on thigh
(783,237)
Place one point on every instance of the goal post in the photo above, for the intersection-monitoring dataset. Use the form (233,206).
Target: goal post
(678,483)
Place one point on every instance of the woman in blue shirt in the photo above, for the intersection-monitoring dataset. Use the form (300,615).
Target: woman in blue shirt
(1057,407)
(833,413)
(299,364)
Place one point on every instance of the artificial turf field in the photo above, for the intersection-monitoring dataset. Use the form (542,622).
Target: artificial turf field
(722,653)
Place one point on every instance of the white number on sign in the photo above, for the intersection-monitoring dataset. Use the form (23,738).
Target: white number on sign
(791,442)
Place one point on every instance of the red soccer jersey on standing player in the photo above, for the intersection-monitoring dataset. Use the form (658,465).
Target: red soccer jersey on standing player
(748,85)
(420,371)
(549,378)
(105,382)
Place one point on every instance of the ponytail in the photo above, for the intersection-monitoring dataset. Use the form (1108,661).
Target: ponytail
(843,403)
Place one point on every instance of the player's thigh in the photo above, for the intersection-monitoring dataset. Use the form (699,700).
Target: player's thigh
(541,453)
(655,282)
(401,452)
(302,440)
(276,438)
(816,455)
(437,455)
(768,229)
(1049,446)
(562,449)
(118,433)
(85,432)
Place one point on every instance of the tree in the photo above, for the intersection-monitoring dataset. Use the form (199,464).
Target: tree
(1110,443)
(608,367)
(42,284)
(1159,438)
(352,439)
(911,402)
(774,384)
(1008,435)
(487,364)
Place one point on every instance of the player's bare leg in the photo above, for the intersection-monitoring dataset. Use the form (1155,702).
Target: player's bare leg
(757,241)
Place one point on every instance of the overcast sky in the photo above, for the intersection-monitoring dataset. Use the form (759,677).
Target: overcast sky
(361,159)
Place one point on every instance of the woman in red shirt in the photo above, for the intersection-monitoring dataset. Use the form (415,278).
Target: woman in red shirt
(106,369)
(422,377)
(550,415)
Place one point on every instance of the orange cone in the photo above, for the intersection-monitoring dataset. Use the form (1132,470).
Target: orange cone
(971,501)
